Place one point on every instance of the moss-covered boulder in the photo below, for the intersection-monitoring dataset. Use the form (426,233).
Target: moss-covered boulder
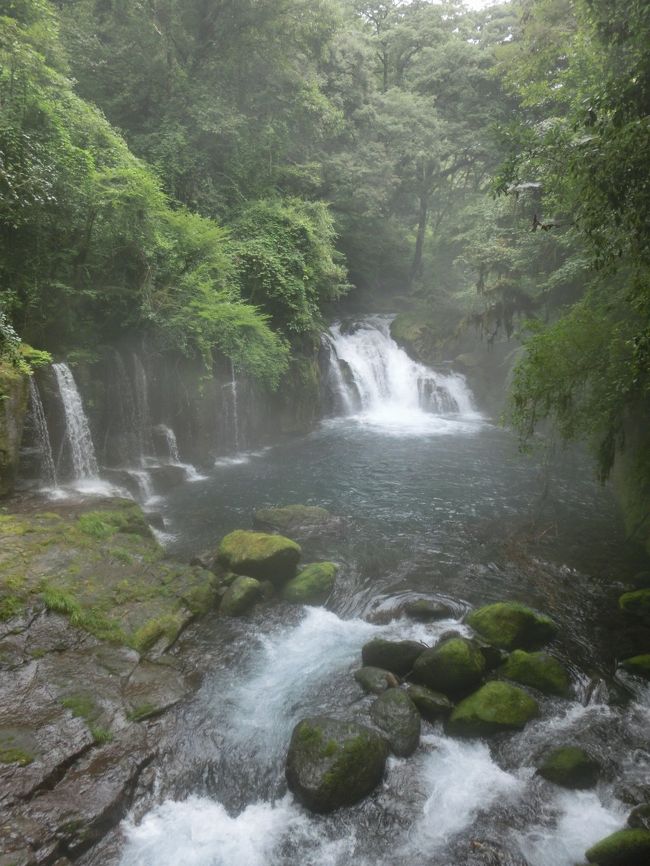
(624,848)
(425,610)
(313,585)
(637,665)
(241,596)
(639,817)
(395,656)
(570,767)
(636,603)
(454,667)
(332,763)
(259,555)
(539,671)
(298,521)
(375,680)
(511,626)
(431,705)
(494,708)
(396,715)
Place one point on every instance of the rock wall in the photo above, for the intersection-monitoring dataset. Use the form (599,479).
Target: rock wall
(14,391)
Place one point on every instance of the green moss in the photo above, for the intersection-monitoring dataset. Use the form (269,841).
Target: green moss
(624,848)
(167,627)
(287,517)
(59,601)
(537,670)
(454,667)
(313,585)
(636,603)
(121,555)
(570,767)
(493,708)
(259,555)
(638,665)
(511,625)
(15,756)
(80,706)
(100,735)
(308,735)
(10,606)
(142,711)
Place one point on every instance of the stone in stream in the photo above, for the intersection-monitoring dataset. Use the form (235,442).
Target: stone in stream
(256,554)
(431,705)
(375,680)
(298,521)
(510,626)
(637,665)
(494,708)
(395,656)
(636,603)
(313,585)
(454,667)
(397,716)
(425,610)
(241,596)
(624,848)
(570,767)
(539,671)
(639,817)
(332,763)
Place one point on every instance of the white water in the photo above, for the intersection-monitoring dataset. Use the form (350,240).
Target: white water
(172,443)
(42,435)
(142,412)
(78,434)
(235,408)
(376,379)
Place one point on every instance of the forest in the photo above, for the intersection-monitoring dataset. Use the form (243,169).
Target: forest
(270,212)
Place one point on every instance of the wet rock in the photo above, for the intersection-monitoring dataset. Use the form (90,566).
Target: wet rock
(332,763)
(639,817)
(494,708)
(570,767)
(259,555)
(242,595)
(398,657)
(511,626)
(166,478)
(637,665)
(298,521)
(636,603)
(624,848)
(431,705)
(397,716)
(425,610)
(454,667)
(153,688)
(641,580)
(494,657)
(313,585)
(375,680)
(539,671)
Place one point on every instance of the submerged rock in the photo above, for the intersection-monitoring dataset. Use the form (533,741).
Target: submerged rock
(259,555)
(454,667)
(313,585)
(624,848)
(241,596)
(375,680)
(332,763)
(636,603)
(570,767)
(637,665)
(494,708)
(298,521)
(397,716)
(431,705)
(425,610)
(510,625)
(395,656)
(539,671)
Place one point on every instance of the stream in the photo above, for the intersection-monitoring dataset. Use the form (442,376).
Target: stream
(438,503)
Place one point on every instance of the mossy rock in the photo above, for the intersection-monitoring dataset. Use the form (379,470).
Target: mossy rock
(511,626)
(397,716)
(398,657)
(454,667)
(425,610)
(313,585)
(639,817)
(332,763)
(300,521)
(637,665)
(431,705)
(494,708)
(570,767)
(375,680)
(624,848)
(636,603)
(539,671)
(259,555)
(241,596)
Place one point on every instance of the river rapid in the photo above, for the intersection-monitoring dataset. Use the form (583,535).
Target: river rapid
(439,504)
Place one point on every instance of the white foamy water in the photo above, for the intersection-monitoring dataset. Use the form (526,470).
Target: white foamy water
(82,450)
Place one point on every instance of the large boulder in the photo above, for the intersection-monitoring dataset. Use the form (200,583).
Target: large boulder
(624,848)
(298,521)
(375,680)
(637,665)
(397,716)
(256,554)
(241,596)
(426,610)
(639,817)
(332,763)
(636,603)
(570,767)
(431,705)
(511,626)
(454,667)
(539,671)
(395,656)
(494,708)
(312,585)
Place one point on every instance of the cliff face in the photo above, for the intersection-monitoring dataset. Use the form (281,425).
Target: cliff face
(14,392)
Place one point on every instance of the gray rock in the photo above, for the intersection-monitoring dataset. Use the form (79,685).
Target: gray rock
(398,657)
(397,716)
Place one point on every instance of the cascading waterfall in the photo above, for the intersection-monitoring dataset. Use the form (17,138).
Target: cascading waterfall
(84,461)
(172,443)
(42,435)
(142,412)
(372,375)
(235,408)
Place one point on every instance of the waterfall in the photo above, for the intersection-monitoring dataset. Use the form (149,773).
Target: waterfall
(142,413)
(84,461)
(371,374)
(42,434)
(172,444)
(235,407)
